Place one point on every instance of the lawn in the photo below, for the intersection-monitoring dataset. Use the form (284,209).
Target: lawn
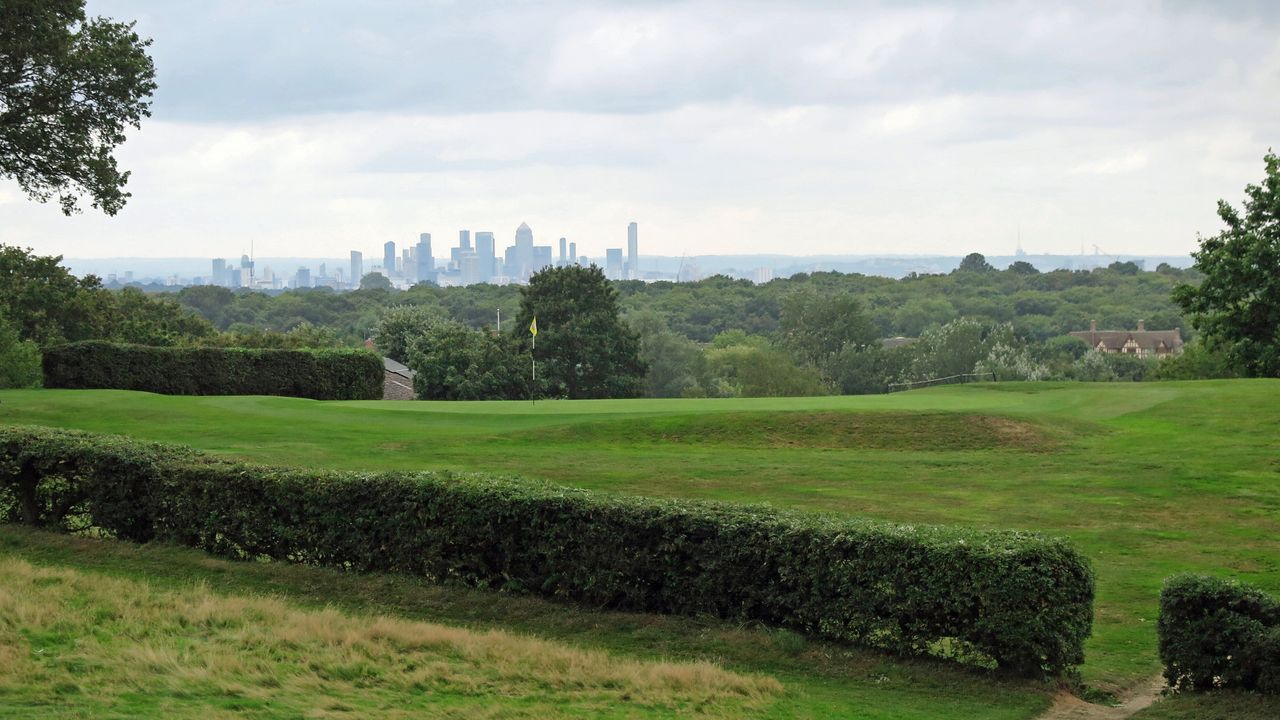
(1146,479)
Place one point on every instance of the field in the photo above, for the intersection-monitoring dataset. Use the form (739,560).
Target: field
(1146,479)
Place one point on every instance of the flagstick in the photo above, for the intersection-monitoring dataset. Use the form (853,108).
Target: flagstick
(533,392)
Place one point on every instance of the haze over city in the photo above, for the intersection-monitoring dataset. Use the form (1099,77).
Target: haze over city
(309,129)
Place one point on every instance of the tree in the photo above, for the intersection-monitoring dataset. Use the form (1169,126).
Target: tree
(19,359)
(584,349)
(454,362)
(400,326)
(46,302)
(134,317)
(816,328)
(1022,267)
(975,262)
(375,281)
(1237,305)
(69,86)
(761,370)
(677,366)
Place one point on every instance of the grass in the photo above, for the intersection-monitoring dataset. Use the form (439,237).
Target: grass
(747,672)
(81,643)
(1146,479)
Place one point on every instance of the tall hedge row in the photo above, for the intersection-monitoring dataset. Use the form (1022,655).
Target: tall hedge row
(1021,599)
(327,374)
(1219,633)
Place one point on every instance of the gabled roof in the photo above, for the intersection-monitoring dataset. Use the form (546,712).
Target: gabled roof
(1148,340)
(394,367)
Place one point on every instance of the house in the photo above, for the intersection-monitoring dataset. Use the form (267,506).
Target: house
(397,381)
(1141,342)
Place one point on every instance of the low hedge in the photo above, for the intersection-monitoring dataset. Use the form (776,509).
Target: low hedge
(1020,599)
(1219,633)
(327,374)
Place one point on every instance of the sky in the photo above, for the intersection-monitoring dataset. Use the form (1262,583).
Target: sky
(313,127)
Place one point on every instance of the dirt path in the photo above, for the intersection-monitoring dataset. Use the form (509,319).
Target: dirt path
(1069,707)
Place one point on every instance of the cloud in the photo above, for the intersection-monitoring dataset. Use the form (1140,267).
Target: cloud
(818,127)
(1127,163)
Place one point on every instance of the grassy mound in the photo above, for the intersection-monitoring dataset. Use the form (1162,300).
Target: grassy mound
(824,430)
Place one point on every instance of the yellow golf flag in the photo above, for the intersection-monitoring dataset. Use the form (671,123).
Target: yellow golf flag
(533,326)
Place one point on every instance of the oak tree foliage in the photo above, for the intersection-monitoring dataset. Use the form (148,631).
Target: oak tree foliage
(69,87)
(584,349)
(1237,306)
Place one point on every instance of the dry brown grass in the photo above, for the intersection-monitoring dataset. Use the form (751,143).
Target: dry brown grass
(88,642)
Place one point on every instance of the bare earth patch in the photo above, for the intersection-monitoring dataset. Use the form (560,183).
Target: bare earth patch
(1069,707)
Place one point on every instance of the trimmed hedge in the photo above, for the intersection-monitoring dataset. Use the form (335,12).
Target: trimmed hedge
(1020,599)
(327,374)
(1219,633)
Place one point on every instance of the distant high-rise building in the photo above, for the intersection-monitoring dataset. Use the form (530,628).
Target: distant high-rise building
(633,259)
(469,267)
(464,239)
(425,260)
(541,258)
(219,276)
(246,271)
(324,270)
(389,257)
(485,257)
(524,254)
(357,266)
(564,255)
(303,278)
(613,263)
(573,252)
(762,275)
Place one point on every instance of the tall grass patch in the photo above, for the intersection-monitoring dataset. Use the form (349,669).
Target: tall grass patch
(112,646)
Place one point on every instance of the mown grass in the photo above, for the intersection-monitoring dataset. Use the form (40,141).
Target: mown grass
(817,680)
(1147,479)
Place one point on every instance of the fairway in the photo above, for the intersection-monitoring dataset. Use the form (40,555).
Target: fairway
(1146,479)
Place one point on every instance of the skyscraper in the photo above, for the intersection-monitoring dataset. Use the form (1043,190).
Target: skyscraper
(485,257)
(219,276)
(564,256)
(524,254)
(357,266)
(389,258)
(542,257)
(464,239)
(633,261)
(425,260)
(573,252)
(613,263)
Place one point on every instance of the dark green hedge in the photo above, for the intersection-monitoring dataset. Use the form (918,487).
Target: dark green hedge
(328,374)
(1020,599)
(1219,633)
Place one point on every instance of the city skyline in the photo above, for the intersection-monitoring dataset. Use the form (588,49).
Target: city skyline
(810,128)
(466,263)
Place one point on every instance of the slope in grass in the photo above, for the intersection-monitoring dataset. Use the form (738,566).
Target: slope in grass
(76,643)
(827,430)
(820,679)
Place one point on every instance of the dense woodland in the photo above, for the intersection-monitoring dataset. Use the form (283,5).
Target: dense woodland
(1038,305)
(808,334)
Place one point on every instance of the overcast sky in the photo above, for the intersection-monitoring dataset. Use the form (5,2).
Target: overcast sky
(315,127)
